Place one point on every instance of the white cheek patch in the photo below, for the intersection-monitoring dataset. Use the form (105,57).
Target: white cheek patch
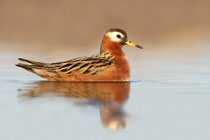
(113,36)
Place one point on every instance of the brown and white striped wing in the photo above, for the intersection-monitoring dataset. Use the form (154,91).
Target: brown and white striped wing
(87,65)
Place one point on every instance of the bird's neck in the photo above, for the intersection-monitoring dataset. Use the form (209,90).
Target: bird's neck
(115,49)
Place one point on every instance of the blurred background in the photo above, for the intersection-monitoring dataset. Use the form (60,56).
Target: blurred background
(167,98)
(66,26)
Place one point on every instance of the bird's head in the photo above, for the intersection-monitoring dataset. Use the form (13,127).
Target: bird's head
(114,38)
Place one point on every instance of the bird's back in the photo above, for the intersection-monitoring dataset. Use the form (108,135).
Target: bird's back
(100,67)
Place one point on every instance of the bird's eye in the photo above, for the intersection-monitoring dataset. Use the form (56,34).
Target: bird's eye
(118,36)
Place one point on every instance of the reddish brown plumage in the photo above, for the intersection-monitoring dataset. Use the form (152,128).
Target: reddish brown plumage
(122,66)
(111,64)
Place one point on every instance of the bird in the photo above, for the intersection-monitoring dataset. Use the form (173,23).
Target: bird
(109,65)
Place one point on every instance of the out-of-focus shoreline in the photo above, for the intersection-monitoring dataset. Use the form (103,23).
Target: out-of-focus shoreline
(39,26)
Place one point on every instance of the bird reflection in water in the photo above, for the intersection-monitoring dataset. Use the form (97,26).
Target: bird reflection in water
(111,96)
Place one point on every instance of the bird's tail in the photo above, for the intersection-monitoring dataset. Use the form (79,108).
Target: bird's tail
(44,70)
(31,62)
(30,65)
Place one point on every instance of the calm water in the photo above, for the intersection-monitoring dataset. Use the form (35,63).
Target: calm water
(168,98)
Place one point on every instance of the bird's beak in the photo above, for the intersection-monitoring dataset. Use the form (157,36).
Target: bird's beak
(129,43)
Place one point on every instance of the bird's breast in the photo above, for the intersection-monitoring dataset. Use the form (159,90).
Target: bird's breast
(122,68)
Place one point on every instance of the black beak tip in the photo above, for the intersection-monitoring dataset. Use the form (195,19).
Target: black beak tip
(140,47)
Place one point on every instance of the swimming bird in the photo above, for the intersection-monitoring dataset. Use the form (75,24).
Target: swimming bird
(111,64)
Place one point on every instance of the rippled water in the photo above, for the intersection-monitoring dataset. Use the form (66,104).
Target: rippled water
(166,99)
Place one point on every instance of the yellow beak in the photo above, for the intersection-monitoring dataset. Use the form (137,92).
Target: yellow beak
(129,43)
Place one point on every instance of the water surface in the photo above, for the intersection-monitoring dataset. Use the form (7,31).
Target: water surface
(167,99)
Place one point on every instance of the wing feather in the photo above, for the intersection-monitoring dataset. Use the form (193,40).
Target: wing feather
(85,65)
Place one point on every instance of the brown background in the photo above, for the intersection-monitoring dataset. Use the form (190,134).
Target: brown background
(46,25)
